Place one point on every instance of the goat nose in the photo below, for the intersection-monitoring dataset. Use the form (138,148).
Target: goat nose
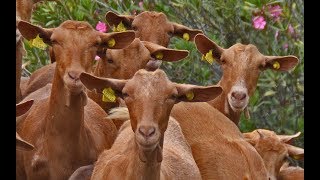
(147,131)
(238,95)
(73,75)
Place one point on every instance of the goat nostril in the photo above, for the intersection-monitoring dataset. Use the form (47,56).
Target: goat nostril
(73,75)
(147,131)
(239,95)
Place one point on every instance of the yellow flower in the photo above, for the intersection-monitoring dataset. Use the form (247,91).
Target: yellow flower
(111,42)
(190,95)
(208,57)
(159,55)
(119,28)
(276,65)
(38,43)
(186,36)
(108,95)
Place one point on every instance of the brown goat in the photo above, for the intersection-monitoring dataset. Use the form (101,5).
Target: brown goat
(67,129)
(290,172)
(23,12)
(153,147)
(217,144)
(273,148)
(22,108)
(241,66)
(152,26)
(123,63)
(149,26)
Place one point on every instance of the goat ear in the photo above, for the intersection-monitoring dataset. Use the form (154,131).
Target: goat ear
(159,52)
(82,173)
(251,137)
(295,152)
(204,45)
(281,63)
(193,93)
(287,138)
(117,40)
(114,19)
(22,144)
(23,107)
(179,30)
(30,31)
(153,65)
(99,84)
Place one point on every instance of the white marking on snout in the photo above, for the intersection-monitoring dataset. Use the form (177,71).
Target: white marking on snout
(238,87)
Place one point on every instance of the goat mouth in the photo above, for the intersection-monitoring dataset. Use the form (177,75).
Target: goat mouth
(238,105)
(147,144)
(147,147)
(74,87)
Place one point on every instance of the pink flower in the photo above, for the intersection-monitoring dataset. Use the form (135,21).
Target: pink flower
(275,11)
(101,27)
(259,22)
(285,46)
(141,4)
(290,29)
(97,58)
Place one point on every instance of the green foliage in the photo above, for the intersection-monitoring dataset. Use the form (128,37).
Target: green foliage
(278,102)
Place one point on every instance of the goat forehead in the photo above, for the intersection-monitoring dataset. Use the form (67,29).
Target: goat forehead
(243,54)
(150,83)
(150,20)
(81,32)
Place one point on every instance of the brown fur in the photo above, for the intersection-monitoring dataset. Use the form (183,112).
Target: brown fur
(23,12)
(241,66)
(39,79)
(290,173)
(273,149)
(67,129)
(152,26)
(123,63)
(22,108)
(148,152)
(217,144)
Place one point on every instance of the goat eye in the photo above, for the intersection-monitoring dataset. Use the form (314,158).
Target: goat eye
(124,95)
(261,67)
(173,96)
(134,28)
(110,61)
(223,61)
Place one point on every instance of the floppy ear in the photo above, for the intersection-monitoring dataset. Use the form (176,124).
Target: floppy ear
(82,173)
(153,65)
(251,137)
(113,19)
(284,63)
(287,138)
(295,152)
(179,30)
(117,40)
(22,144)
(159,52)
(23,107)
(30,31)
(99,84)
(204,45)
(193,93)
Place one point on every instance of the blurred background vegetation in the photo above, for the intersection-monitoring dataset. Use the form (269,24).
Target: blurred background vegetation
(278,103)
